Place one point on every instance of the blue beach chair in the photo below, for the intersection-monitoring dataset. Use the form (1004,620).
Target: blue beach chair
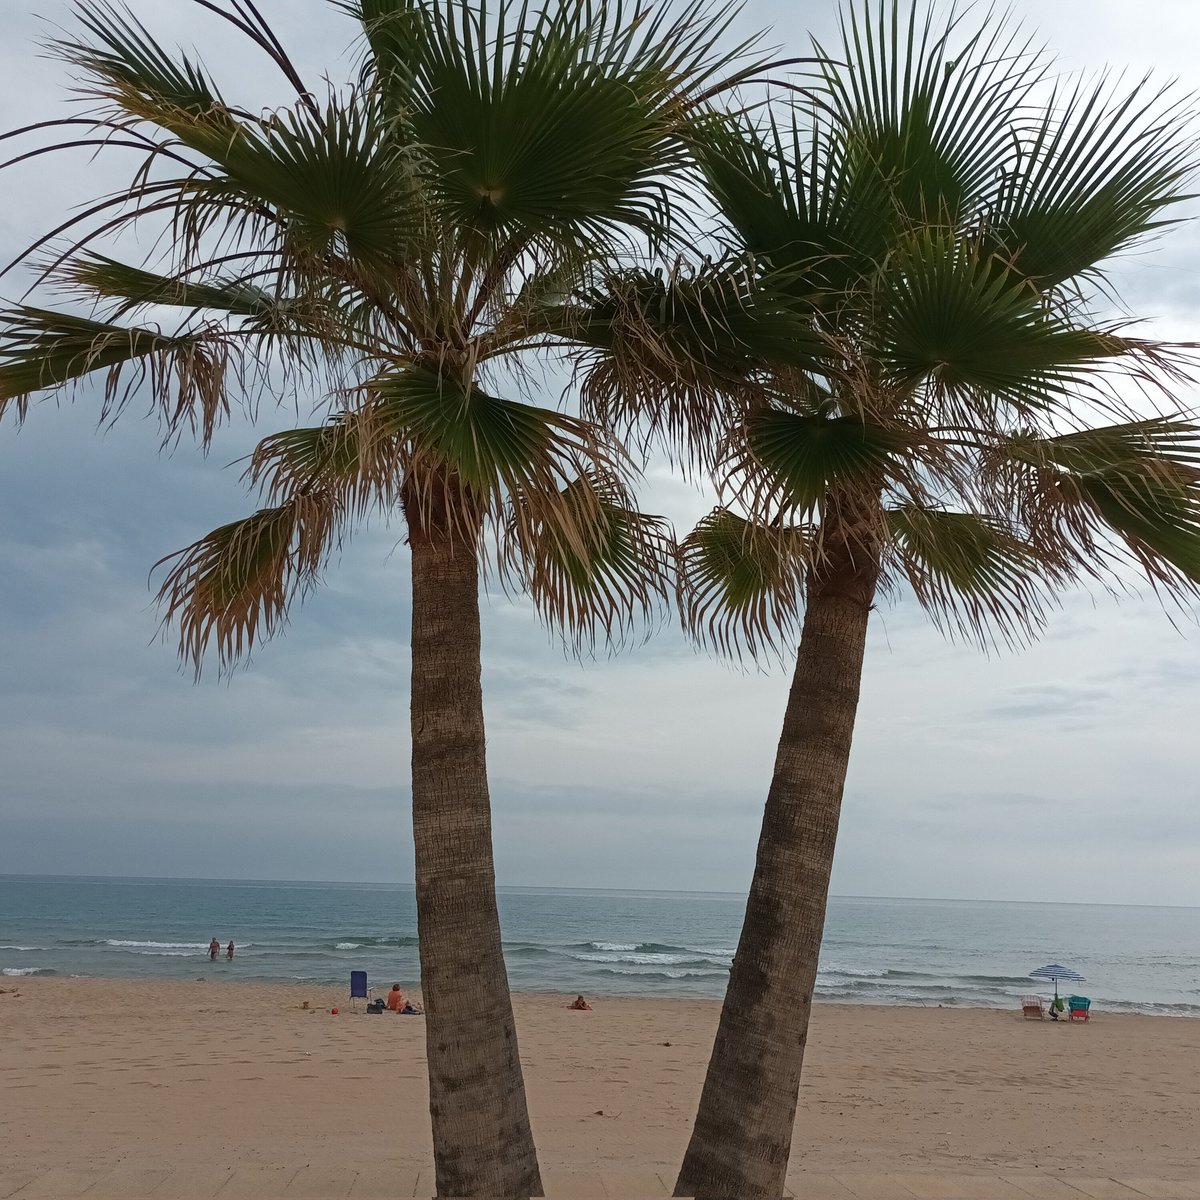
(358,988)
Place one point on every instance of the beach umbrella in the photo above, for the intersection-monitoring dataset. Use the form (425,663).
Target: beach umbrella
(1057,971)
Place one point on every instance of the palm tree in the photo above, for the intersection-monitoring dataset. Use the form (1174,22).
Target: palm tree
(395,248)
(947,212)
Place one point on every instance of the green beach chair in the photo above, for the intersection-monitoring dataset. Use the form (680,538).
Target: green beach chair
(1079,1007)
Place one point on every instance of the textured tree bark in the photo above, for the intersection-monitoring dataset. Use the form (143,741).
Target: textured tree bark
(742,1137)
(483,1144)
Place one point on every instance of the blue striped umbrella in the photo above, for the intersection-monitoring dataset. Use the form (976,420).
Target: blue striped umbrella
(1057,971)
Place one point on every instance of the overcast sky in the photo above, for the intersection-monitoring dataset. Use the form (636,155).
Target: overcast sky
(1067,771)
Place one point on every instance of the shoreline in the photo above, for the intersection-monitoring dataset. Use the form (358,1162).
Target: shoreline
(10,982)
(107,1074)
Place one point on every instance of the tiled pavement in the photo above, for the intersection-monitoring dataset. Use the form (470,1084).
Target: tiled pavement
(323,1183)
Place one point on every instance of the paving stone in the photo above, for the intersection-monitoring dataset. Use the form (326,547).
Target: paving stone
(129,1183)
(961,1187)
(1163,1189)
(385,1183)
(875,1187)
(1045,1187)
(320,1183)
(61,1182)
(257,1182)
(560,1184)
(818,1187)
(193,1184)
(1101,1189)
(635,1185)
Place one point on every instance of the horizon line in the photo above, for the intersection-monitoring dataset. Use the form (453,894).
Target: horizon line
(501,887)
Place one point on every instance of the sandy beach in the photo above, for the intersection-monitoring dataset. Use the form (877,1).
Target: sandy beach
(100,1074)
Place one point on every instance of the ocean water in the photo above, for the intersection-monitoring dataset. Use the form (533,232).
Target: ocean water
(875,951)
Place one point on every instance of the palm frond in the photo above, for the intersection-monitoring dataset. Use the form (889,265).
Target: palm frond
(926,105)
(185,373)
(488,448)
(1098,171)
(1139,481)
(787,461)
(235,585)
(595,566)
(974,576)
(972,332)
(554,121)
(121,62)
(322,178)
(674,358)
(741,584)
(100,276)
(349,457)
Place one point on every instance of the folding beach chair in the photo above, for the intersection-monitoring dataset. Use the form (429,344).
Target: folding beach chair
(1033,1008)
(358,988)
(1080,1007)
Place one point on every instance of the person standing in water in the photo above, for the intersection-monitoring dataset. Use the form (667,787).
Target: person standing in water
(229,950)
(214,948)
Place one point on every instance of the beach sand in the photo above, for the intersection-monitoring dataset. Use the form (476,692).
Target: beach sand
(100,1074)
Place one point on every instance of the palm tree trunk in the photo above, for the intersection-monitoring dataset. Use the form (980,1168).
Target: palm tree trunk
(483,1144)
(743,1132)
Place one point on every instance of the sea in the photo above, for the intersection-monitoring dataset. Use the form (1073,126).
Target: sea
(645,943)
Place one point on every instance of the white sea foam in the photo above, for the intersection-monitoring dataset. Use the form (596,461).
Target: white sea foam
(348,946)
(614,945)
(22,971)
(23,948)
(166,949)
(155,945)
(638,959)
(849,972)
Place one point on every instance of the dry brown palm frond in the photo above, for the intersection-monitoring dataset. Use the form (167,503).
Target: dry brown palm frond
(594,565)
(235,585)
(671,359)
(185,374)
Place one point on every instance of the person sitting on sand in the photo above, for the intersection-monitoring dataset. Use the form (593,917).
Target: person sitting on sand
(229,950)
(581,1004)
(214,948)
(395,1001)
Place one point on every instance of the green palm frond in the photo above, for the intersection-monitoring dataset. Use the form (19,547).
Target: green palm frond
(924,107)
(556,121)
(123,63)
(98,275)
(671,356)
(595,566)
(234,586)
(485,448)
(325,178)
(976,333)
(1139,480)
(972,574)
(789,461)
(344,457)
(185,373)
(741,584)
(788,194)
(1098,171)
